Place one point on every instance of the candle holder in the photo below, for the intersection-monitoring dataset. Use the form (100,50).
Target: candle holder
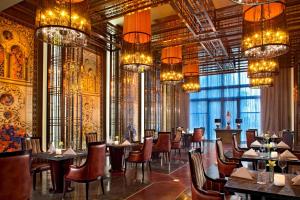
(238,123)
(217,123)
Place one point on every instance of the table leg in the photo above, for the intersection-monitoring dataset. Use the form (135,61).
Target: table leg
(58,169)
(116,159)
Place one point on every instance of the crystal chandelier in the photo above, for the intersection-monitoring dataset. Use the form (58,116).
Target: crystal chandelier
(264,31)
(262,68)
(171,65)
(262,82)
(63,22)
(253,2)
(136,46)
(191,77)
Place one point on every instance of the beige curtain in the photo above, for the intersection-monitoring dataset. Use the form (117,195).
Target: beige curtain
(276,103)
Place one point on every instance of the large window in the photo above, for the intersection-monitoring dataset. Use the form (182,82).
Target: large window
(222,93)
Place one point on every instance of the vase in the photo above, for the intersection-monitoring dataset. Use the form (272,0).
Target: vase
(271,175)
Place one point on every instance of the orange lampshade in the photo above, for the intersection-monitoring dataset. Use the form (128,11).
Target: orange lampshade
(191,69)
(171,55)
(270,10)
(137,27)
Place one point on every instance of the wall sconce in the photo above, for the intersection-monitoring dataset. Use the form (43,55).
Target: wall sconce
(218,123)
(238,123)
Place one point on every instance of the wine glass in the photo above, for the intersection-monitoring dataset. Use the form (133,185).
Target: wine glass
(261,168)
(282,163)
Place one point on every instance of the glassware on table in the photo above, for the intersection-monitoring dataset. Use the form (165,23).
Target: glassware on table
(262,174)
(282,163)
(262,149)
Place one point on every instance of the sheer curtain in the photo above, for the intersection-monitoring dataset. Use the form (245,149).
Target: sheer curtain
(276,103)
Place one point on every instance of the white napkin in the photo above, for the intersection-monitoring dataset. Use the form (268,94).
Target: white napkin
(69,151)
(296,180)
(126,142)
(52,148)
(288,155)
(242,172)
(283,145)
(274,136)
(250,152)
(255,144)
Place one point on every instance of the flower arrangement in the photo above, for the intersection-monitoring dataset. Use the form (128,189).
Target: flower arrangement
(271,164)
(11,138)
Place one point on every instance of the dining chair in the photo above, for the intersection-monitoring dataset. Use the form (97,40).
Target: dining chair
(202,186)
(250,136)
(142,156)
(38,165)
(16,182)
(176,142)
(288,138)
(149,133)
(198,136)
(163,144)
(225,164)
(91,170)
(91,137)
(236,151)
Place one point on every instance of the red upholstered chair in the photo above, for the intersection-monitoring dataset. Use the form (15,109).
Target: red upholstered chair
(91,170)
(142,156)
(236,151)
(204,187)
(176,142)
(16,182)
(225,164)
(163,144)
(38,165)
(250,136)
(197,136)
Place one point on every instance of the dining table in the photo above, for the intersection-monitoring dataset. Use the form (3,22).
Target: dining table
(263,191)
(59,164)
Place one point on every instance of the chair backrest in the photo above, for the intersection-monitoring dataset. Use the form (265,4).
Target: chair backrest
(16,182)
(288,138)
(149,132)
(250,136)
(91,137)
(95,162)
(234,141)
(198,134)
(197,169)
(33,143)
(147,148)
(164,141)
(178,136)
(219,148)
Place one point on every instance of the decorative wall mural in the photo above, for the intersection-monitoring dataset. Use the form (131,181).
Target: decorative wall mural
(16,69)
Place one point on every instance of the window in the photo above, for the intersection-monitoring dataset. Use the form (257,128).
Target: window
(222,93)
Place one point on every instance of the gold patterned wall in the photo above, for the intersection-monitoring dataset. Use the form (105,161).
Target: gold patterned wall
(16,71)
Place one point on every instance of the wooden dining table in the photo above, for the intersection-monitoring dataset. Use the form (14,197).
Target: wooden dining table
(268,190)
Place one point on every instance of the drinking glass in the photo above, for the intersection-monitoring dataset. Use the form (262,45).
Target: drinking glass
(261,149)
(282,163)
(261,175)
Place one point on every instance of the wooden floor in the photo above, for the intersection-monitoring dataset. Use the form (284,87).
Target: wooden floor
(167,181)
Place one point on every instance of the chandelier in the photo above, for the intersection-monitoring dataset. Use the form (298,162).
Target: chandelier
(262,82)
(191,77)
(262,68)
(264,31)
(253,2)
(136,46)
(171,65)
(63,22)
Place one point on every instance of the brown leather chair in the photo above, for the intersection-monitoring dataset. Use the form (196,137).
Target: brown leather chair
(91,170)
(197,136)
(204,187)
(15,176)
(38,165)
(250,136)
(236,151)
(225,164)
(149,132)
(176,142)
(142,156)
(163,144)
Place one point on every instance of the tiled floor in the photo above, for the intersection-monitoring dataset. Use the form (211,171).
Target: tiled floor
(167,181)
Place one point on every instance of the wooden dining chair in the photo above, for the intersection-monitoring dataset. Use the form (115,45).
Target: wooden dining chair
(225,165)
(236,151)
(16,182)
(149,133)
(250,136)
(163,144)
(288,138)
(197,137)
(91,170)
(202,186)
(176,142)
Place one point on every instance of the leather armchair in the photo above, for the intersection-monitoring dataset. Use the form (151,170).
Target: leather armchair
(16,182)
(236,151)
(202,186)
(176,142)
(225,164)
(197,136)
(142,156)
(163,144)
(91,170)
(38,165)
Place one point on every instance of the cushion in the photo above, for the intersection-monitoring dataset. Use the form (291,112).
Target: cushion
(199,171)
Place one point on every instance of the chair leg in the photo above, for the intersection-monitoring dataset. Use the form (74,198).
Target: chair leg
(102,185)
(169,157)
(87,190)
(125,167)
(34,180)
(149,163)
(65,188)
(143,170)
